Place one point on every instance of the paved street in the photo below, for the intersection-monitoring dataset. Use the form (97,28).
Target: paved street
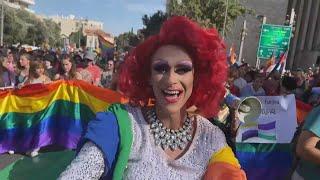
(6,159)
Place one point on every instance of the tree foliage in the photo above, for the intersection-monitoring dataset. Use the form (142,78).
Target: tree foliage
(54,37)
(209,13)
(126,41)
(152,24)
(23,27)
(78,38)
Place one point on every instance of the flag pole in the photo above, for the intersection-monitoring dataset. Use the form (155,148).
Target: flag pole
(243,35)
(225,19)
(2,17)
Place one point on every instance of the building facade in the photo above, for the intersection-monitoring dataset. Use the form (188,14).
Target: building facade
(305,45)
(20,4)
(70,24)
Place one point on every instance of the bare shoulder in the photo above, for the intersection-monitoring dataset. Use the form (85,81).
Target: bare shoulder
(57,77)
(78,76)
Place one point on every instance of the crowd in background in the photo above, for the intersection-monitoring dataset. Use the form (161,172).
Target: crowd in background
(20,67)
(245,80)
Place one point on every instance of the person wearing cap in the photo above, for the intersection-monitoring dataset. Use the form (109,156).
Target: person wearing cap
(81,67)
(94,70)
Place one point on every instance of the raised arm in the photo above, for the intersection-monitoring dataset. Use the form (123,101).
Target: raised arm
(307,147)
(89,164)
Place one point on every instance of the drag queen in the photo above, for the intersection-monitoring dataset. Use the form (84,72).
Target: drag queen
(182,66)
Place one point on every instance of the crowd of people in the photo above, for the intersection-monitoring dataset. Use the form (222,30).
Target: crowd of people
(20,67)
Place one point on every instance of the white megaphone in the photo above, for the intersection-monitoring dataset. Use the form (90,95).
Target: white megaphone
(249,108)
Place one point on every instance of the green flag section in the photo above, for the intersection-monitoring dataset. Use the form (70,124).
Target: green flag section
(46,166)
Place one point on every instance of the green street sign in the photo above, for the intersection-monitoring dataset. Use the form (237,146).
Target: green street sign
(273,39)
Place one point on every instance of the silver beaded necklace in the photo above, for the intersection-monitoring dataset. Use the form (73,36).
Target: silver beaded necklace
(169,138)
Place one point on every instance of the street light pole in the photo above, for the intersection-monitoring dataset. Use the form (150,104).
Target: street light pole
(2,17)
(243,35)
(79,38)
(263,20)
(225,18)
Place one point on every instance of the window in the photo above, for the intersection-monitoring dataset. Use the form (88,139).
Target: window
(318,61)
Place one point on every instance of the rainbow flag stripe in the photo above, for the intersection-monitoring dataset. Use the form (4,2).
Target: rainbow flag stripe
(54,114)
(224,165)
(107,48)
(302,110)
(263,161)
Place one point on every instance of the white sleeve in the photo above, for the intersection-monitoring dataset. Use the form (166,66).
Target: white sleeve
(89,164)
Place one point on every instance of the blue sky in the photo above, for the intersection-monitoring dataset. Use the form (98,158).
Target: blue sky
(117,15)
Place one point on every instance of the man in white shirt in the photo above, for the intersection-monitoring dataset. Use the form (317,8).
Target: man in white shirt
(239,81)
(254,88)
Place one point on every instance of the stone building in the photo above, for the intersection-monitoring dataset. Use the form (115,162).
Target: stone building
(305,45)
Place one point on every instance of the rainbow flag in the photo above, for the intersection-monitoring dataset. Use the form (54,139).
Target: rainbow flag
(54,114)
(283,61)
(232,55)
(106,47)
(263,161)
(280,66)
(270,64)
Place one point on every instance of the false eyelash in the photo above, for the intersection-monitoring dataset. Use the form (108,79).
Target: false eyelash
(182,70)
(161,68)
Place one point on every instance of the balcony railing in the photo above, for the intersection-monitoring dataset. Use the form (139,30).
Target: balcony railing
(15,6)
(30,2)
(29,10)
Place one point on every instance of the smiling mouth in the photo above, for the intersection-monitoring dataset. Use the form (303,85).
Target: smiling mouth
(172,96)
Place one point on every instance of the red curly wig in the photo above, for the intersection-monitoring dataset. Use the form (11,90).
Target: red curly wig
(206,50)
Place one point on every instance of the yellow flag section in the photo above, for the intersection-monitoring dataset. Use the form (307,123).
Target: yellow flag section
(224,165)
(98,99)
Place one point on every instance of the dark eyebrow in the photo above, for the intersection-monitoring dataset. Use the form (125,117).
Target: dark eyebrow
(185,63)
(160,61)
